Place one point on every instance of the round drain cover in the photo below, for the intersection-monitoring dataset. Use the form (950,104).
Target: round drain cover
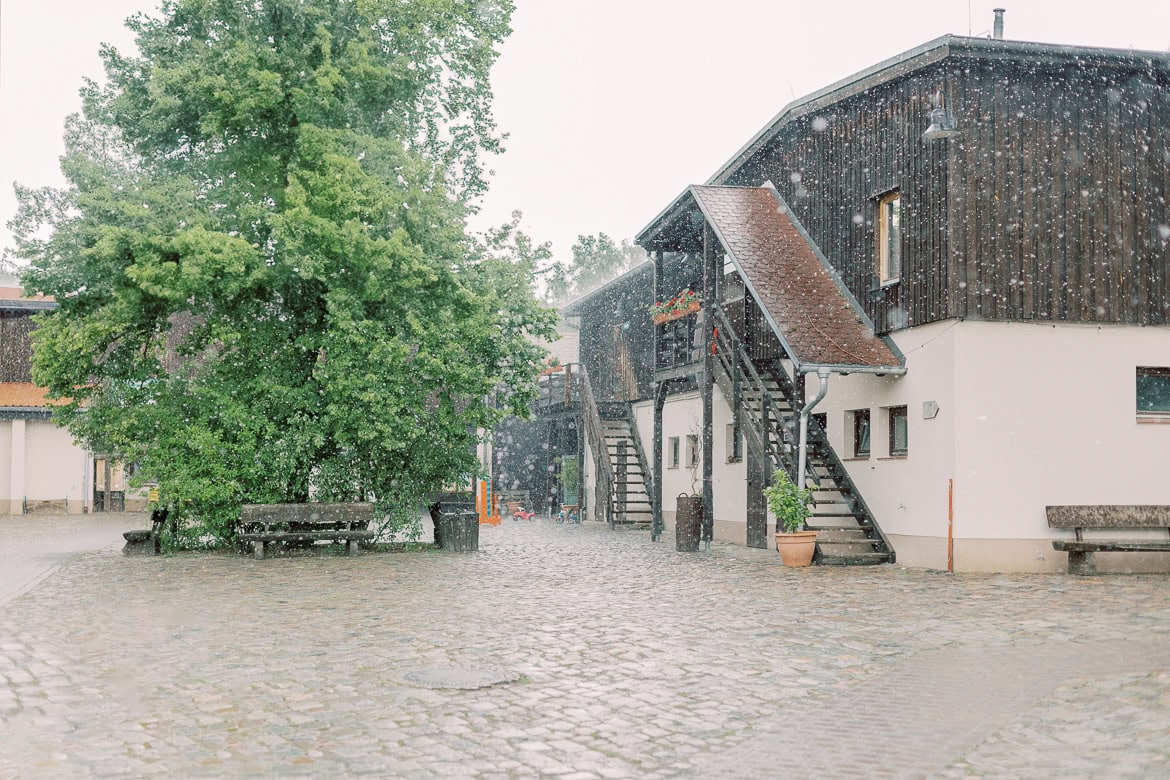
(458,677)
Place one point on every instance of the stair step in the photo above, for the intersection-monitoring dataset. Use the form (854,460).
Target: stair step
(843,536)
(854,559)
(842,523)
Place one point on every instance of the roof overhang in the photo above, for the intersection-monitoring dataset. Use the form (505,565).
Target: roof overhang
(924,56)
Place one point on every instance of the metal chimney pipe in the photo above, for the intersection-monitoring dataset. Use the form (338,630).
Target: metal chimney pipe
(997,30)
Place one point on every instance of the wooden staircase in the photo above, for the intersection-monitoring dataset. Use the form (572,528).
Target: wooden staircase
(630,497)
(624,487)
(847,533)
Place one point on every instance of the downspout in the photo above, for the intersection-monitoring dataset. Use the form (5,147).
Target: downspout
(806,410)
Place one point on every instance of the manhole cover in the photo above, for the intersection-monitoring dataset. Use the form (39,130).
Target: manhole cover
(458,678)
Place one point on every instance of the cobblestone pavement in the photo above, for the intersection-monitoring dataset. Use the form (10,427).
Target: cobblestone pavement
(634,661)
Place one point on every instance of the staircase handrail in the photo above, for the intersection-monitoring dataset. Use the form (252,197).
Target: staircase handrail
(728,342)
(643,461)
(817,436)
(595,432)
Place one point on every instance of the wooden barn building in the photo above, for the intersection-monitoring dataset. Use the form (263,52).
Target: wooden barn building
(939,289)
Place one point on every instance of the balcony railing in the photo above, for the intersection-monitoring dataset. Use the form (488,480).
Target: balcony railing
(679,344)
(558,391)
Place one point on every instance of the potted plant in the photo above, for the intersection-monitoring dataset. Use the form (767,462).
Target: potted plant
(551,366)
(789,504)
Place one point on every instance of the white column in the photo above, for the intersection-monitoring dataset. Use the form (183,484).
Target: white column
(16,483)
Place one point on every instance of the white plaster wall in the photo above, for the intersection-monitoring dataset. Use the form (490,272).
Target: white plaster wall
(589,482)
(1029,415)
(5,464)
(908,495)
(682,415)
(55,466)
(1050,418)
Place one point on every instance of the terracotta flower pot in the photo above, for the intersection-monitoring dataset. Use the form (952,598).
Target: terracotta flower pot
(796,549)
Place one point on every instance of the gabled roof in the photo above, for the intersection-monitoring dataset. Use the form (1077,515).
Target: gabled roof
(574,307)
(901,65)
(817,320)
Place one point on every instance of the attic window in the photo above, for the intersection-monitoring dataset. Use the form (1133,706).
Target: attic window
(889,237)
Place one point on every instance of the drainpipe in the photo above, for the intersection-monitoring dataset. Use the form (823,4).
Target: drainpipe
(802,460)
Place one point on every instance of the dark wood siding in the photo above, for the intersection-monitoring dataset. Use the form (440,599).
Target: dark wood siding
(616,340)
(1058,193)
(15,346)
(831,165)
(1051,204)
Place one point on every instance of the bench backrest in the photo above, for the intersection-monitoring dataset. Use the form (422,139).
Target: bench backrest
(1106,516)
(359,514)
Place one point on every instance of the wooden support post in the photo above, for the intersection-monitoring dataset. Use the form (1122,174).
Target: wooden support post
(709,282)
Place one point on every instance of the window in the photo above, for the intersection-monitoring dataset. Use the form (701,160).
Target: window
(858,422)
(897,419)
(889,238)
(1153,391)
(692,450)
(734,444)
(672,453)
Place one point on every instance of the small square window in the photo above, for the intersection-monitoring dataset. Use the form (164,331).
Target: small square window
(858,423)
(898,439)
(1153,391)
(672,452)
(889,238)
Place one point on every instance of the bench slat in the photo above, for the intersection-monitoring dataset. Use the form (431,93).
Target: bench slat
(1110,545)
(304,536)
(268,514)
(1109,516)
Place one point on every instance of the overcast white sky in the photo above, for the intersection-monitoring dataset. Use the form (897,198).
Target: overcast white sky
(613,107)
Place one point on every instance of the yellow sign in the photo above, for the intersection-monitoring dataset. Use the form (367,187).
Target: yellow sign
(152,496)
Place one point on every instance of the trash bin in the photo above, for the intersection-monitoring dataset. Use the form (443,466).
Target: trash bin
(688,520)
(457,531)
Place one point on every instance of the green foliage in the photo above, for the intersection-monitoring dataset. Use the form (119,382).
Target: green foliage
(788,502)
(596,260)
(266,289)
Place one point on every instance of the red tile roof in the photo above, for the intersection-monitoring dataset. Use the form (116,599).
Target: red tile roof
(816,318)
(24,395)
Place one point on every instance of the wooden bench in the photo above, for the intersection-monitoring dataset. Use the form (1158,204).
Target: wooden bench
(262,524)
(1081,518)
(147,541)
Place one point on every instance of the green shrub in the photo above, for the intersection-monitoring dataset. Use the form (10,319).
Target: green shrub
(788,502)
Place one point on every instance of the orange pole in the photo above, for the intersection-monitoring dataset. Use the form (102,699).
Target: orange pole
(951,526)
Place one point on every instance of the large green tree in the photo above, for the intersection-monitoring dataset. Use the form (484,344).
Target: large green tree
(596,260)
(266,287)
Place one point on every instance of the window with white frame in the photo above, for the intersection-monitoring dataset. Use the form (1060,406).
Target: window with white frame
(857,426)
(889,237)
(1153,392)
(672,452)
(896,419)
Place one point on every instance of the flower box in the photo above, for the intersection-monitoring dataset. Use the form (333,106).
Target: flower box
(677,314)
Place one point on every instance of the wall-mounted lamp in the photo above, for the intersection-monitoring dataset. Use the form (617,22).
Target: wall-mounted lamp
(942,122)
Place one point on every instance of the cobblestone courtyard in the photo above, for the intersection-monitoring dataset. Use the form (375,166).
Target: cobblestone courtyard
(634,661)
